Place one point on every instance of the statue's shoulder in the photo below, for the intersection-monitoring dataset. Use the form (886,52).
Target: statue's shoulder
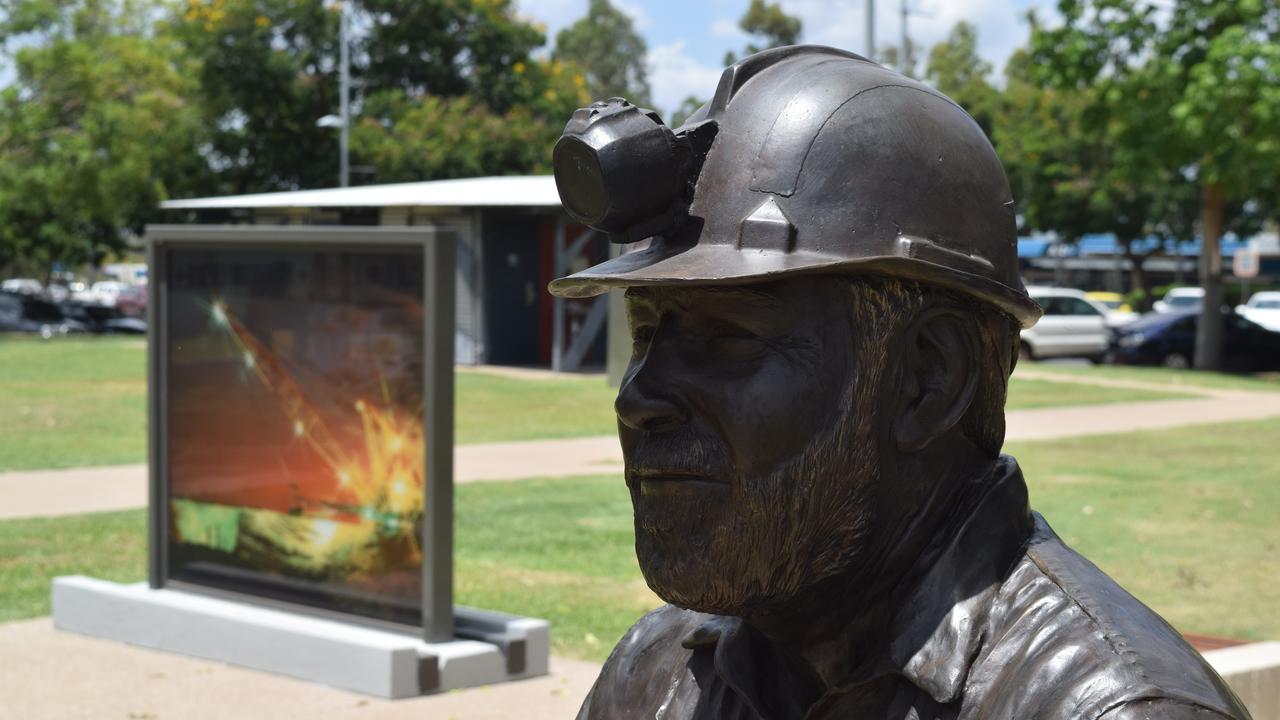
(646,665)
(1077,645)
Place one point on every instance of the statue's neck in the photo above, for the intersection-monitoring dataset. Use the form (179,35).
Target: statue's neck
(841,630)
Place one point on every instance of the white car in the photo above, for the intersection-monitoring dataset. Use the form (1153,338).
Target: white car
(1072,326)
(22,286)
(106,292)
(1178,299)
(1263,308)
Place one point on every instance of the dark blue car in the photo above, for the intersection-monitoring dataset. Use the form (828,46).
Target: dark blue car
(1169,339)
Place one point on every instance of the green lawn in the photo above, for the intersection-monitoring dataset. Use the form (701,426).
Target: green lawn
(1028,394)
(1186,519)
(72,402)
(559,549)
(79,402)
(492,408)
(1174,379)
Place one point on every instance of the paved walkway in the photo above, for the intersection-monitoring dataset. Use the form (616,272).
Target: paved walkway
(79,490)
(52,675)
(120,487)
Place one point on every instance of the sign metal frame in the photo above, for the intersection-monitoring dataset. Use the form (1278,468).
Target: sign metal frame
(438,246)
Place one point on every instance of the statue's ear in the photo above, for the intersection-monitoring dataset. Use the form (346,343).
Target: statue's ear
(938,377)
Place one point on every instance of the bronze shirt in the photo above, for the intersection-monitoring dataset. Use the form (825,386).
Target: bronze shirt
(1005,623)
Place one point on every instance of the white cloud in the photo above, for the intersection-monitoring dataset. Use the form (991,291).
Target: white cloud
(727,28)
(674,75)
(842,23)
(640,19)
(553,14)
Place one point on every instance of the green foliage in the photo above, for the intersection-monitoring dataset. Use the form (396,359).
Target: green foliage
(890,56)
(955,69)
(267,74)
(770,25)
(1181,93)
(99,125)
(610,51)
(687,107)
(425,137)
(452,89)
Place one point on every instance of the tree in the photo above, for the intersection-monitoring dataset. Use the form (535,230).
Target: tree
(688,106)
(611,53)
(772,27)
(1190,89)
(268,72)
(99,125)
(955,69)
(425,70)
(1068,178)
(890,56)
(426,137)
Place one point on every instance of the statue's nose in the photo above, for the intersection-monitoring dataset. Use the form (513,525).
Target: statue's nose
(640,407)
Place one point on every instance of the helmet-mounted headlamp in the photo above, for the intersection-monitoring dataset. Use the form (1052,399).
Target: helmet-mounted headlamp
(621,171)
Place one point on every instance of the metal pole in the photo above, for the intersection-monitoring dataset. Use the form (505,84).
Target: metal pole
(557,305)
(871,30)
(344,75)
(439,265)
(902,57)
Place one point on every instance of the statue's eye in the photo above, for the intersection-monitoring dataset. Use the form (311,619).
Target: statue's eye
(736,342)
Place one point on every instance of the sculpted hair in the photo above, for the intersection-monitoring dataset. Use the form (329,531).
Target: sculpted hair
(880,307)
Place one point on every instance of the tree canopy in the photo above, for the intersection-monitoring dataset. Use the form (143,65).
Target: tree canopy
(99,126)
(1189,89)
(770,27)
(612,55)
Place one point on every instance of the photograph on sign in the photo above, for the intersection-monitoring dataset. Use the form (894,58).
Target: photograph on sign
(294,429)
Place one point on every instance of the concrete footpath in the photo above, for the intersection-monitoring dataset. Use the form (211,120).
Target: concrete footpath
(80,490)
(51,675)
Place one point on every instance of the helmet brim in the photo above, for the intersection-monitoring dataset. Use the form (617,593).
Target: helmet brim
(715,264)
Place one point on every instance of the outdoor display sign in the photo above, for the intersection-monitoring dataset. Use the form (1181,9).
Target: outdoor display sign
(302,417)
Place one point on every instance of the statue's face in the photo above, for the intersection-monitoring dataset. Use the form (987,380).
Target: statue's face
(746,425)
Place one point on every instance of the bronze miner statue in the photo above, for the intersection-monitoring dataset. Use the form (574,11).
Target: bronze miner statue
(825,317)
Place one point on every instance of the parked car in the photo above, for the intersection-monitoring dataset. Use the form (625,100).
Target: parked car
(1169,339)
(1181,298)
(102,319)
(1118,311)
(1263,308)
(22,286)
(1072,326)
(106,292)
(23,313)
(132,301)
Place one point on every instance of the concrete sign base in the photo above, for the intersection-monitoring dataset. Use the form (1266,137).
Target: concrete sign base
(375,662)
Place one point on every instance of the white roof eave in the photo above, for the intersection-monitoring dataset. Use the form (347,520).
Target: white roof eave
(504,191)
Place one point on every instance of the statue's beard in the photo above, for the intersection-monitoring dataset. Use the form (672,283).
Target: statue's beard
(756,545)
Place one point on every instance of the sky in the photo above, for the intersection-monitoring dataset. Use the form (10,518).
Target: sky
(687,39)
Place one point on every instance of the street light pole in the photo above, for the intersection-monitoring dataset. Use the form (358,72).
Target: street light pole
(871,30)
(903,58)
(344,103)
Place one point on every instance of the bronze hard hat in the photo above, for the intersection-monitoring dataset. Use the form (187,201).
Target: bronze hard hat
(807,160)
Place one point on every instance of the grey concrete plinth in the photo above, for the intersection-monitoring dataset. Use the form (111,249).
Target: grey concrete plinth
(366,660)
(1253,672)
